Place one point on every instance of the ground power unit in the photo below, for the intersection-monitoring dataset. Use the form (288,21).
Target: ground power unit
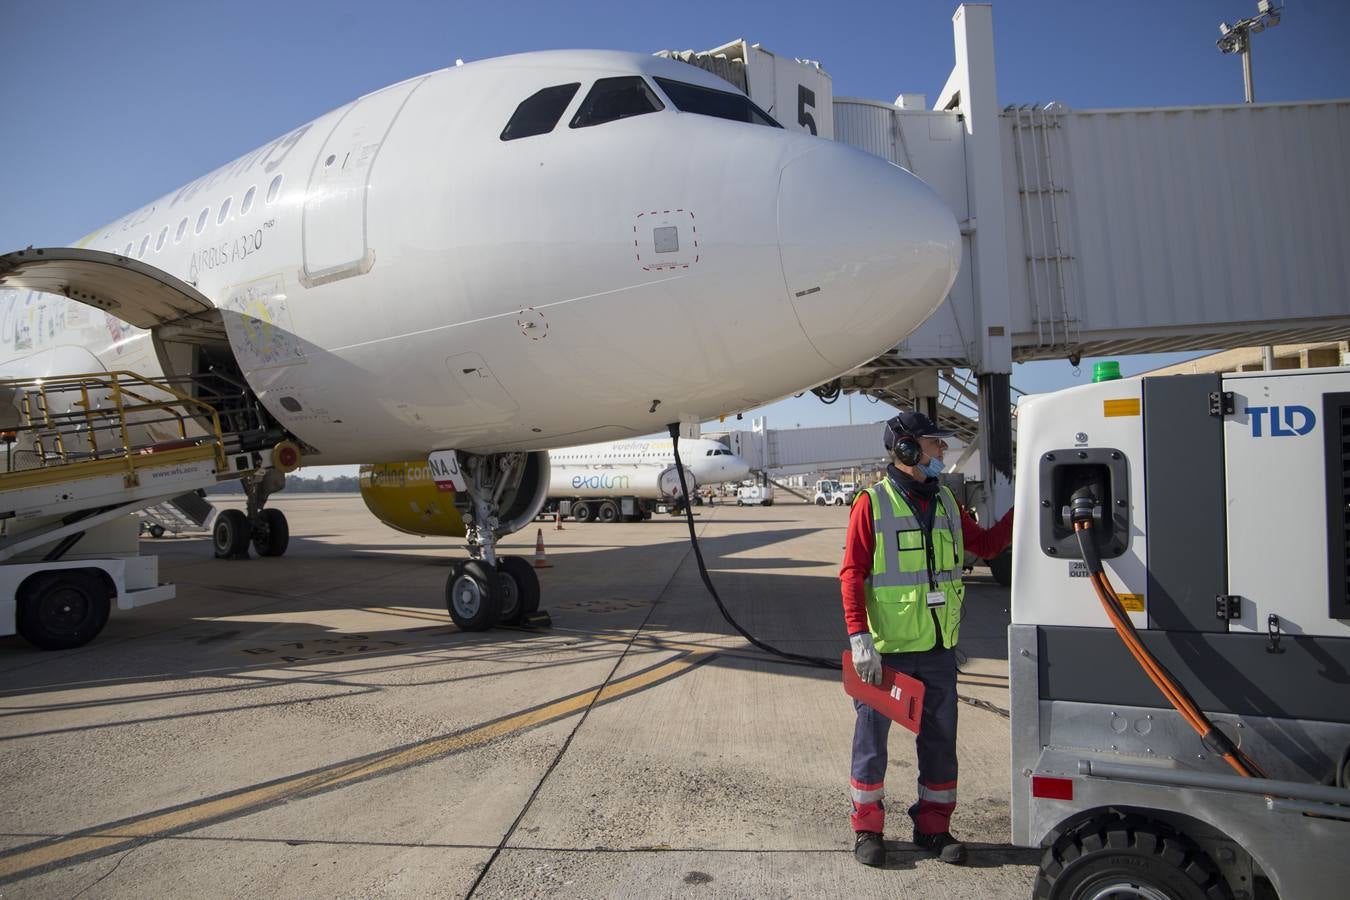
(1179,653)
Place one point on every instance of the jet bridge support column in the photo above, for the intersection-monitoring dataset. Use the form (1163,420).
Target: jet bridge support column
(973,89)
(996,446)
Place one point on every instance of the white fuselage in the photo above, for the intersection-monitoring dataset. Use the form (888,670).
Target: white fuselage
(395,277)
(634,467)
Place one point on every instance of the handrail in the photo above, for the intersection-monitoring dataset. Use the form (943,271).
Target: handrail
(131,403)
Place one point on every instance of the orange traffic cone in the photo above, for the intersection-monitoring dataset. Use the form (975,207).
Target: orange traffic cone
(540,560)
(557,520)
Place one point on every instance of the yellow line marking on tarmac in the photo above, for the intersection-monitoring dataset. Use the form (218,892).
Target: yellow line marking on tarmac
(101,840)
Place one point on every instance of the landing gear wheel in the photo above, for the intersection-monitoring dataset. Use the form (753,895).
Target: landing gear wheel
(231,535)
(1001,567)
(608,512)
(274,536)
(1129,858)
(473,596)
(157,531)
(520,589)
(61,610)
(581,512)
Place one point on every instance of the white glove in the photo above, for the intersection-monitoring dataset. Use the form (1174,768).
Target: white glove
(866,660)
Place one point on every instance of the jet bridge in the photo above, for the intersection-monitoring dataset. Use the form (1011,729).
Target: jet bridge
(1092,232)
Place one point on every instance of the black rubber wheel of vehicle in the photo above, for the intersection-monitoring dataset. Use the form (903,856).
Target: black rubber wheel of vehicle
(157,531)
(768,503)
(473,596)
(275,535)
(608,512)
(1127,858)
(231,535)
(520,589)
(61,610)
(740,502)
(581,512)
(820,501)
(1001,568)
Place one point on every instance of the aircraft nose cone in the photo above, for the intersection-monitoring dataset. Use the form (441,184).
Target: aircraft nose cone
(869,251)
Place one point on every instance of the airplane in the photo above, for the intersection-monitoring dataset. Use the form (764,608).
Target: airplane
(468,268)
(405,497)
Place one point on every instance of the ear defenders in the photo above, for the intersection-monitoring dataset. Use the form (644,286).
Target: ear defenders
(905,446)
(907,450)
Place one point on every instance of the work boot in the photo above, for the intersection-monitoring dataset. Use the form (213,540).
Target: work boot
(947,848)
(869,849)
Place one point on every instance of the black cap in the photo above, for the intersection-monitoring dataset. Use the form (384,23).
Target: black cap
(914,424)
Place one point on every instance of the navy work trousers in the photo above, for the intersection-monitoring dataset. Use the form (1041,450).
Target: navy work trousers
(935,745)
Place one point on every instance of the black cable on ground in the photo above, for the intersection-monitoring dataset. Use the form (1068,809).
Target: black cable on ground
(707,582)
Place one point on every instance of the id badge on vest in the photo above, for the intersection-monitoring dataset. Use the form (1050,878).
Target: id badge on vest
(936,599)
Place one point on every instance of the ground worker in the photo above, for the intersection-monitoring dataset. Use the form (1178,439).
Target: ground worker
(902,592)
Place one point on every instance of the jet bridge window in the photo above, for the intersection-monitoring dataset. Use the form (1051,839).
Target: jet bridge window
(540,112)
(693,98)
(616,98)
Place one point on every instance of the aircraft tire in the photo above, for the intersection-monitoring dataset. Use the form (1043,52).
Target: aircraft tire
(473,596)
(608,512)
(520,589)
(62,610)
(582,512)
(231,535)
(273,539)
(157,531)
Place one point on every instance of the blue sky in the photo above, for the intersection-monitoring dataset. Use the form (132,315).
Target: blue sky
(108,105)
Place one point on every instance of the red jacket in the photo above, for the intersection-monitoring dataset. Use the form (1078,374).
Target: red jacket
(861,542)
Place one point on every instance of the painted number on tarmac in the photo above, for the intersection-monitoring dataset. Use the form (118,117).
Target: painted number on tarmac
(323,648)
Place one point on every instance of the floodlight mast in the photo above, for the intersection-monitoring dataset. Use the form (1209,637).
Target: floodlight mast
(1237,38)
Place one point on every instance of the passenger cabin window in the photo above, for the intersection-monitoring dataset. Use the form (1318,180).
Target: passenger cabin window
(224,211)
(273,189)
(616,98)
(159,241)
(182,228)
(540,112)
(201,220)
(693,98)
(248,201)
(145,242)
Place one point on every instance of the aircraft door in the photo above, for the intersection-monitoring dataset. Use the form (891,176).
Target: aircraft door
(334,221)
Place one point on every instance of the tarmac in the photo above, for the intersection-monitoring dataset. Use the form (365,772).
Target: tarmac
(314,726)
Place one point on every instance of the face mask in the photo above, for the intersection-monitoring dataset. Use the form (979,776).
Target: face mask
(933,467)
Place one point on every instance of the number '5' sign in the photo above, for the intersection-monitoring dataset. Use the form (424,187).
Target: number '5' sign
(806,100)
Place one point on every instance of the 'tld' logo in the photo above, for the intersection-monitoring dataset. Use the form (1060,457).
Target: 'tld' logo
(1304,416)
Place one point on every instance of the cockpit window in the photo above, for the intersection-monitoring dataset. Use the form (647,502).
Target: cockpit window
(693,98)
(539,112)
(616,98)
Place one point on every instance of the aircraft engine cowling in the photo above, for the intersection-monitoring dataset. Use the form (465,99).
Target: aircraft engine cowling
(403,496)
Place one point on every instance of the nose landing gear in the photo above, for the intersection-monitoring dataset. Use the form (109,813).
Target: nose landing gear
(489,590)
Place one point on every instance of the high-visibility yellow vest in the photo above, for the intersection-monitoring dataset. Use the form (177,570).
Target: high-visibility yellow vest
(897,588)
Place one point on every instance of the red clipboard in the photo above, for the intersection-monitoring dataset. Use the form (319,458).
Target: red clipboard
(899,697)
